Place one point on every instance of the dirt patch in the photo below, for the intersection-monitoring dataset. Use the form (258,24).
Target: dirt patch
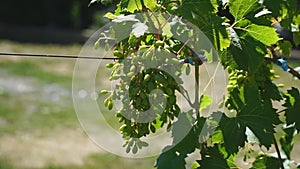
(35,149)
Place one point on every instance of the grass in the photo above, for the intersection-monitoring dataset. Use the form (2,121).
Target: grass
(110,161)
(5,164)
(95,161)
(34,70)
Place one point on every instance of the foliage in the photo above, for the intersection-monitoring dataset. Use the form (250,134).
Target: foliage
(241,33)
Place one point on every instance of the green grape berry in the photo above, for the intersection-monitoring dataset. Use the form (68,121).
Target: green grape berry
(110,105)
(280,85)
(118,54)
(147,77)
(130,74)
(103,92)
(132,68)
(109,65)
(106,101)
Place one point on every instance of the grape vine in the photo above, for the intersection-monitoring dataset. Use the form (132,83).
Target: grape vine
(156,48)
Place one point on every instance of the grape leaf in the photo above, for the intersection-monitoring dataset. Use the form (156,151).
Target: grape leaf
(205,101)
(296,37)
(190,141)
(287,141)
(134,5)
(247,53)
(240,8)
(274,6)
(264,34)
(220,34)
(271,91)
(265,162)
(285,48)
(260,118)
(185,141)
(293,107)
(213,159)
(233,134)
(150,3)
(170,159)
(195,10)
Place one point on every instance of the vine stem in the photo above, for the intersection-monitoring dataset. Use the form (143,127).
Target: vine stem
(278,152)
(185,43)
(197,91)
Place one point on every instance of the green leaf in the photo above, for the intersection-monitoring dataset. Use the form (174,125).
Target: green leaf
(105,2)
(181,127)
(264,34)
(110,15)
(187,140)
(240,8)
(233,134)
(193,10)
(170,159)
(285,48)
(218,35)
(213,159)
(217,137)
(296,36)
(288,140)
(134,5)
(205,101)
(274,6)
(271,91)
(292,104)
(150,4)
(260,118)
(265,162)
(247,53)
(195,165)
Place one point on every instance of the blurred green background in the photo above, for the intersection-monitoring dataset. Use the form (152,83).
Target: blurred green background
(39,128)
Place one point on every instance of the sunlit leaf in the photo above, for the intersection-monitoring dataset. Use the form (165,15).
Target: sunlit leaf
(134,5)
(150,3)
(205,101)
(264,34)
(265,162)
(240,8)
(110,15)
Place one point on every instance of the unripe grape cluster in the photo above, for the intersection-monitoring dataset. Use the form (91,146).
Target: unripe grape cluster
(146,66)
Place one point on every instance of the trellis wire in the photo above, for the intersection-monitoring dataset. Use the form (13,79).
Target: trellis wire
(292,71)
(56,56)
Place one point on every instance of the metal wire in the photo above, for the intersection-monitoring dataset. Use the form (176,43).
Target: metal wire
(56,56)
(292,71)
